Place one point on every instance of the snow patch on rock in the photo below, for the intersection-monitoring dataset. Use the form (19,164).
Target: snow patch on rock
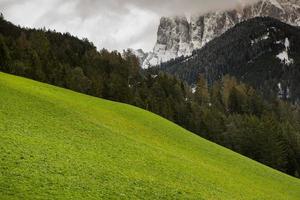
(194,89)
(280,91)
(263,37)
(179,36)
(284,55)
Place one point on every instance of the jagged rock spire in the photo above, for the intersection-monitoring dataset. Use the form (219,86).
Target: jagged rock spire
(179,36)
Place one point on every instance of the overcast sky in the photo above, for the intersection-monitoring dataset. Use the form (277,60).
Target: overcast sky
(111,24)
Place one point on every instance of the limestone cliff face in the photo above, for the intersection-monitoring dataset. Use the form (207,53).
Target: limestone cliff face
(179,36)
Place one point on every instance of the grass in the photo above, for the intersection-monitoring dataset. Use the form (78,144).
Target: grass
(58,144)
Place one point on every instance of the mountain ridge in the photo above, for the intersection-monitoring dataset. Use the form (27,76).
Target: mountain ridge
(178,36)
(262,52)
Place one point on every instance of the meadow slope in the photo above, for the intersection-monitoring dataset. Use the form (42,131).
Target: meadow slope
(58,144)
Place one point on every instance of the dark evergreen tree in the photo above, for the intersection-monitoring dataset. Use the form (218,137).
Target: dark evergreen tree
(225,111)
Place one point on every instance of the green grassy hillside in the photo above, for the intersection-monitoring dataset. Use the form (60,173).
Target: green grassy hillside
(58,144)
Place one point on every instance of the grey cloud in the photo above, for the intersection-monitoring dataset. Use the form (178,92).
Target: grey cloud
(161,7)
(113,24)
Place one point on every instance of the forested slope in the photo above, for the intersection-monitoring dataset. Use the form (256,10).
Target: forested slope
(58,144)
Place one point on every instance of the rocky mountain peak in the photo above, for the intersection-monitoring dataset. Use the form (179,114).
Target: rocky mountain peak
(179,36)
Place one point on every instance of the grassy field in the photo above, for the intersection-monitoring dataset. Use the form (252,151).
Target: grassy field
(58,144)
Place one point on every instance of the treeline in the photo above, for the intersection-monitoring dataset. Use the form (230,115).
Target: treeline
(228,112)
(248,51)
(234,115)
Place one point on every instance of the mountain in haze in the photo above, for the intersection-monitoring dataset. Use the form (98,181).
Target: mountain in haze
(262,52)
(179,36)
(140,54)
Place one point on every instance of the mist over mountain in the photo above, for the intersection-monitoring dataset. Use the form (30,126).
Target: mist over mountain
(110,24)
(179,36)
(262,52)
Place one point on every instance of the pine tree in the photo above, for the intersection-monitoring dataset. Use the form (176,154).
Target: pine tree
(4,55)
(235,101)
(202,93)
(216,96)
(78,81)
(228,83)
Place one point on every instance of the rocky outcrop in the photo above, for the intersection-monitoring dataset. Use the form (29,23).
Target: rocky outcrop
(262,52)
(179,36)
